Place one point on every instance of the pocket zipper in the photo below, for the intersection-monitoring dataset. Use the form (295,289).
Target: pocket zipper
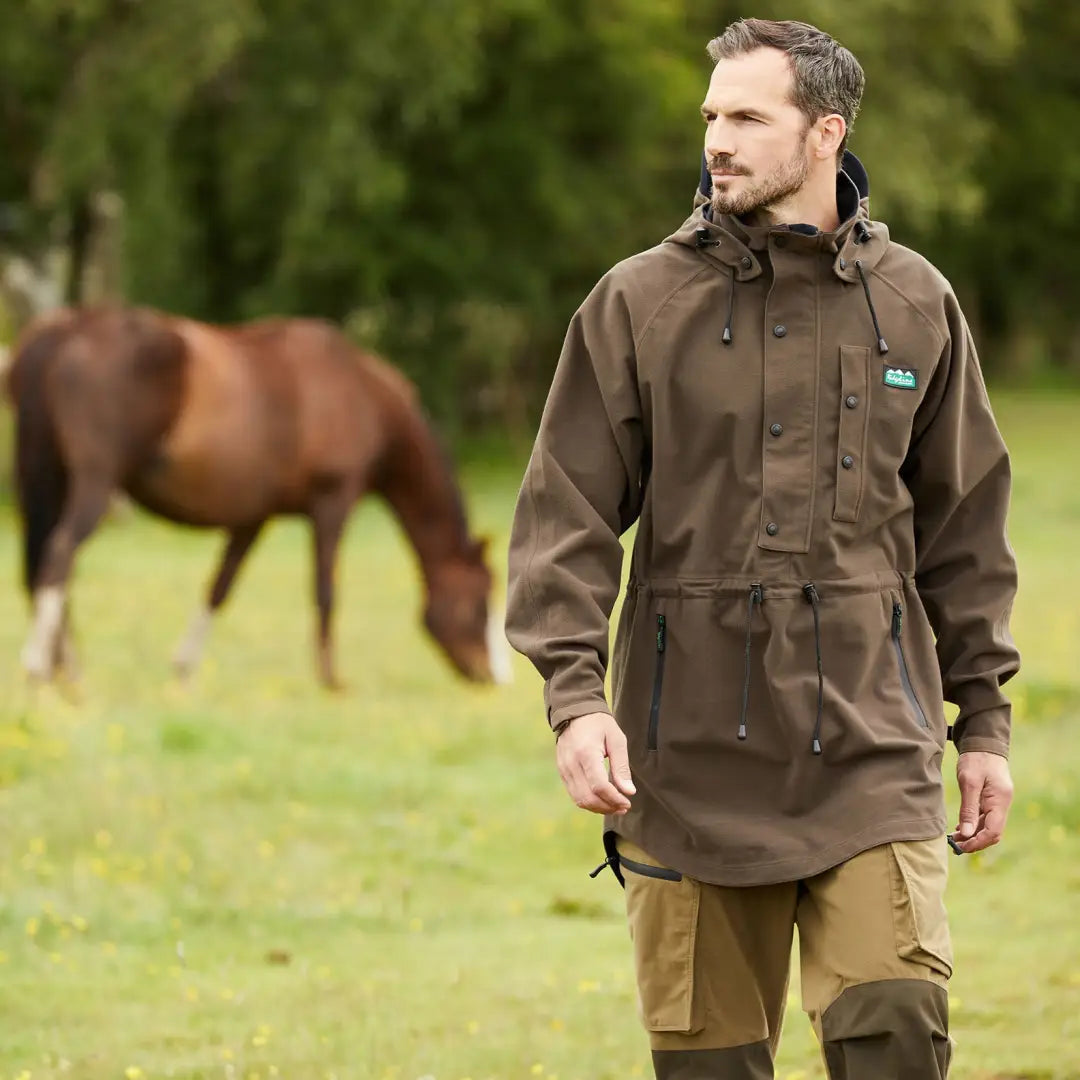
(658,681)
(905,676)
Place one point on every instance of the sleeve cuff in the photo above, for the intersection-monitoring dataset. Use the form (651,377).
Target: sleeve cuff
(986,731)
(973,744)
(578,708)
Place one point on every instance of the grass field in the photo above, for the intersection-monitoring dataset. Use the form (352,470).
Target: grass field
(254,879)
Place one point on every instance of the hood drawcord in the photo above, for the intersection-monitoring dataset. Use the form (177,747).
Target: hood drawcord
(701,239)
(862,235)
(727,339)
(756,597)
(811,594)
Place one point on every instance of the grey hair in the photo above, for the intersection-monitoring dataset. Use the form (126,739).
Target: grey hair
(826,77)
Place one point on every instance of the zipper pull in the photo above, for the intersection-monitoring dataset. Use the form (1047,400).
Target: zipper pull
(897,619)
(661,633)
(757,593)
(609,861)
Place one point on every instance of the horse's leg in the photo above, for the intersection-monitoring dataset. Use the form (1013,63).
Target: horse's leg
(328,516)
(187,656)
(65,657)
(87,501)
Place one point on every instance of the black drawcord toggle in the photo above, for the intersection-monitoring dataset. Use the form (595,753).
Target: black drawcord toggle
(756,597)
(609,861)
(811,594)
(701,238)
(883,347)
(730,311)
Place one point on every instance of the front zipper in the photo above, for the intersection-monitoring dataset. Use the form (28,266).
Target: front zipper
(658,681)
(905,677)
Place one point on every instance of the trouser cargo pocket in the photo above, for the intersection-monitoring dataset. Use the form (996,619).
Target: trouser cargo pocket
(919,870)
(662,910)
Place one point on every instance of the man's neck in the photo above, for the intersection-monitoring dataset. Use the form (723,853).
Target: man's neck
(813,204)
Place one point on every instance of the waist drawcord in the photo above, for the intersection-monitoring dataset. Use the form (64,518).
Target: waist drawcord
(811,594)
(756,597)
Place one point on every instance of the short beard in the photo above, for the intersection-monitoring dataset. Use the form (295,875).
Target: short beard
(781,183)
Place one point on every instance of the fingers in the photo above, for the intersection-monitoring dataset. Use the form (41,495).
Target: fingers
(971,785)
(619,761)
(581,752)
(986,792)
(991,828)
(602,796)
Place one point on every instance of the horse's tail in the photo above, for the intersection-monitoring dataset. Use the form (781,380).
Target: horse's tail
(40,474)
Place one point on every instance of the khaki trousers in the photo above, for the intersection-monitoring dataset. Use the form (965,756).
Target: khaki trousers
(712,965)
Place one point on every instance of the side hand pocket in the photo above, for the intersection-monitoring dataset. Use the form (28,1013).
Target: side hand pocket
(662,909)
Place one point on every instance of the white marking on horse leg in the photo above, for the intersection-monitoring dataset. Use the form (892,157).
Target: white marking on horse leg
(37,655)
(189,651)
(498,649)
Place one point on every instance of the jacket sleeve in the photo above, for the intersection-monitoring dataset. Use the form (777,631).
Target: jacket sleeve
(958,473)
(581,491)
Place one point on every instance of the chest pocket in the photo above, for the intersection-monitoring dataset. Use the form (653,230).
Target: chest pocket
(851,451)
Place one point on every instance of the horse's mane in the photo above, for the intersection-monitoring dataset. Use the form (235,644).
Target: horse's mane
(404,390)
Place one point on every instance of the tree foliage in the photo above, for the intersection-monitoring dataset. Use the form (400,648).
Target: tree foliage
(448,177)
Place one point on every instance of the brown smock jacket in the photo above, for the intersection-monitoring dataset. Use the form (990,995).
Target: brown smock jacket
(798,423)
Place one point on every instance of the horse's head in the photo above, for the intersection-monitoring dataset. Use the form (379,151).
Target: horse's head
(459,618)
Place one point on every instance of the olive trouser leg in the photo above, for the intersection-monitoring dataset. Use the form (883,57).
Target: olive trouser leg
(712,965)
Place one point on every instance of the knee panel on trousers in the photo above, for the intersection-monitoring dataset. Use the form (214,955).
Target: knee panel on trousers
(896,1029)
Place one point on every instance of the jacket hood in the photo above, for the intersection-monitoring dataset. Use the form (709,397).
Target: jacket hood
(736,244)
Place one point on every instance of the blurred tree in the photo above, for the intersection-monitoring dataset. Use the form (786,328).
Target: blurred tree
(449,177)
(1013,253)
(89,93)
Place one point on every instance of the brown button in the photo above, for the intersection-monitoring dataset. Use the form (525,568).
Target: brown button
(779,330)
(851,401)
(772,528)
(848,461)
(747,262)
(777,429)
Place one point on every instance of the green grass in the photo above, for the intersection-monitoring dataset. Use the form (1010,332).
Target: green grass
(255,879)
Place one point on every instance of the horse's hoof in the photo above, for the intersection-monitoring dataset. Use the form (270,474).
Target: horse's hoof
(183,668)
(36,665)
(71,690)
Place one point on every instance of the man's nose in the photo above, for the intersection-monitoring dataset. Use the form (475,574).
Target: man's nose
(719,139)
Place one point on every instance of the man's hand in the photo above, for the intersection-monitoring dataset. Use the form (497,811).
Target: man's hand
(986,790)
(580,753)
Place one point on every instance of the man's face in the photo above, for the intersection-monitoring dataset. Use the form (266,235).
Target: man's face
(756,139)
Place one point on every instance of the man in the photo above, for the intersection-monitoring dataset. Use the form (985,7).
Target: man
(791,407)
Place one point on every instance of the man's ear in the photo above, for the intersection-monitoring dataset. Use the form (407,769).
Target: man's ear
(831,130)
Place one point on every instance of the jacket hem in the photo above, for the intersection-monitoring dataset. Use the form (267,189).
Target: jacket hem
(793,868)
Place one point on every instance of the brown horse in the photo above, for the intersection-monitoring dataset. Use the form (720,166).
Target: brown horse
(227,427)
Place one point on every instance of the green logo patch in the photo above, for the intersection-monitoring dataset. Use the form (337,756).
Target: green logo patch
(902,378)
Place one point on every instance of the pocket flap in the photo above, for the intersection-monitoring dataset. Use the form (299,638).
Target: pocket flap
(662,910)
